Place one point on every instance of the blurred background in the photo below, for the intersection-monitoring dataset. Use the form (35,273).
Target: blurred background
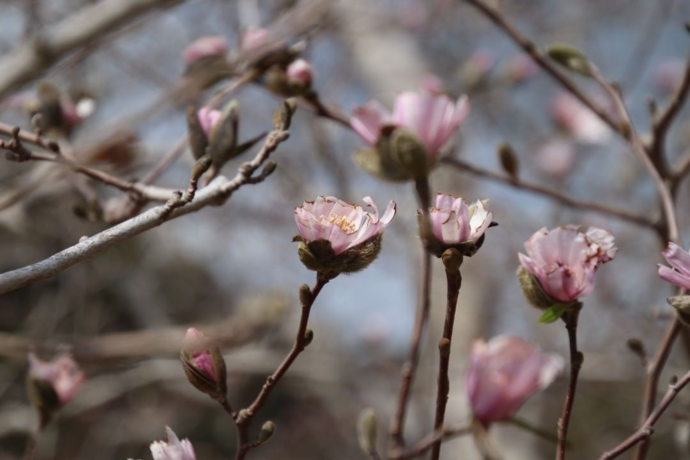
(232,270)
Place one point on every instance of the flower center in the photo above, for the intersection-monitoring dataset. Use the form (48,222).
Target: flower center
(342,222)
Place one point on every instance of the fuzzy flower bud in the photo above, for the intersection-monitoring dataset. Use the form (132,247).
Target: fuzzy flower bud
(408,141)
(563,261)
(504,373)
(338,237)
(213,45)
(300,73)
(204,365)
(208,118)
(579,121)
(52,384)
(174,449)
(679,272)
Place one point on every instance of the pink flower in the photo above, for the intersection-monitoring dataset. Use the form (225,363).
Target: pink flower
(519,68)
(253,40)
(434,118)
(564,260)
(300,73)
(212,45)
(679,260)
(453,222)
(503,373)
(174,449)
(201,357)
(208,119)
(556,157)
(62,373)
(579,121)
(344,225)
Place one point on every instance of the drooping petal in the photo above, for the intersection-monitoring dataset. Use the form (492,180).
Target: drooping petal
(672,276)
(678,258)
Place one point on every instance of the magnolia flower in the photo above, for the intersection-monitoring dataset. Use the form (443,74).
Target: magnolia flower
(214,45)
(453,222)
(62,374)
(200,357)
(204,365)
(433,118)
(503,373)
(556,157)
(679,272)
(300,73)
(579,121)
(564,260)
(174,449)
(342,224)
(207,119)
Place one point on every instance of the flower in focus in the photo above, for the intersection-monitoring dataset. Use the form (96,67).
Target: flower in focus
(174,449)
(504,373)
(213,45)
(52,384)
(207,119)
(204,365)
(300,73)
(679,272)
(455,224)
(339,237)
(579,121)
(563,261)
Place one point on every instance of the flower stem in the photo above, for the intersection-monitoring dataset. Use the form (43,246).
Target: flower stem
(452,260)
(410,367)
(576,359)
(245,416)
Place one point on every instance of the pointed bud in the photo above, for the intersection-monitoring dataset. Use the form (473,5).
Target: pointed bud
(223,135)
(509,160)
(305,297)
(571,58)
(268,429)
(367,427)
(308,337)
(283,115)
(204,365)
(682,305)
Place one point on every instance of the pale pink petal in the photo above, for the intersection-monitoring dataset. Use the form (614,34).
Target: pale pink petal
(208,118)
(205,46)
(673,277)
(678,258)
(368,120)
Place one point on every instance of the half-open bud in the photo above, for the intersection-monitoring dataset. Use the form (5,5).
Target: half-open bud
(204,365)
(174,449)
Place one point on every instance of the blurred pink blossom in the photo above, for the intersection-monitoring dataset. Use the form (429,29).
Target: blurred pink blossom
(453,222)
(669,75)
(504,373)
(679,272)
(174,449)
(344,225)
(201,358)
(207,119)
(62,373)
(519,68)
(565,260)
(413,15)
(434,118)
(579,121)
(255,39)
(211,45)
(300,72)
(556,157)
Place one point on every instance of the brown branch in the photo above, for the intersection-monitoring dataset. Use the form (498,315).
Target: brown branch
(664,120)
(219,191)
(245,416)
(647,428)
(439,435)
(409,369)
(31,58)
(451,260)
(549,193)
(576,358)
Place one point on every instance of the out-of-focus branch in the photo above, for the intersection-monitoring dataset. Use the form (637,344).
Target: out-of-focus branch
(663,122)
(220,190)
(548,193)
(647,429)
(32,58)
(442,434)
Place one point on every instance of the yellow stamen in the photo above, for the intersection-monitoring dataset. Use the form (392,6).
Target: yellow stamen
(344,224)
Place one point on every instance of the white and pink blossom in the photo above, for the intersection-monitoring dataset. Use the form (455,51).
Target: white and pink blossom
(207,119)
(434,118)
(679,271)
(62,373)
(504,373)
(343,224)
(174,449)
(300,73)
(454,222)
(565,260)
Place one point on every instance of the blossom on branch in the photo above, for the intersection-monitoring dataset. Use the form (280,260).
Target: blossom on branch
(679,272)
(504,373)
(212,45)
(174,449)
(204,365)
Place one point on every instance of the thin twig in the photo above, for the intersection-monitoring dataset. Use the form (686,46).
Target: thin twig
(647,428)
(576,358)
(245,416)
(665,119)
(439,435)
(551,194)
(451,260)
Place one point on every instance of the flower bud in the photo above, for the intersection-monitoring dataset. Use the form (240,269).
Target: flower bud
(308,337)
(300,73)
(533,291)
(283,115)
(682,305)
(367,428)
(337,237)
(268,429)
(52,384)
(571,58)
(204,365)
(174,449)
(509,160)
